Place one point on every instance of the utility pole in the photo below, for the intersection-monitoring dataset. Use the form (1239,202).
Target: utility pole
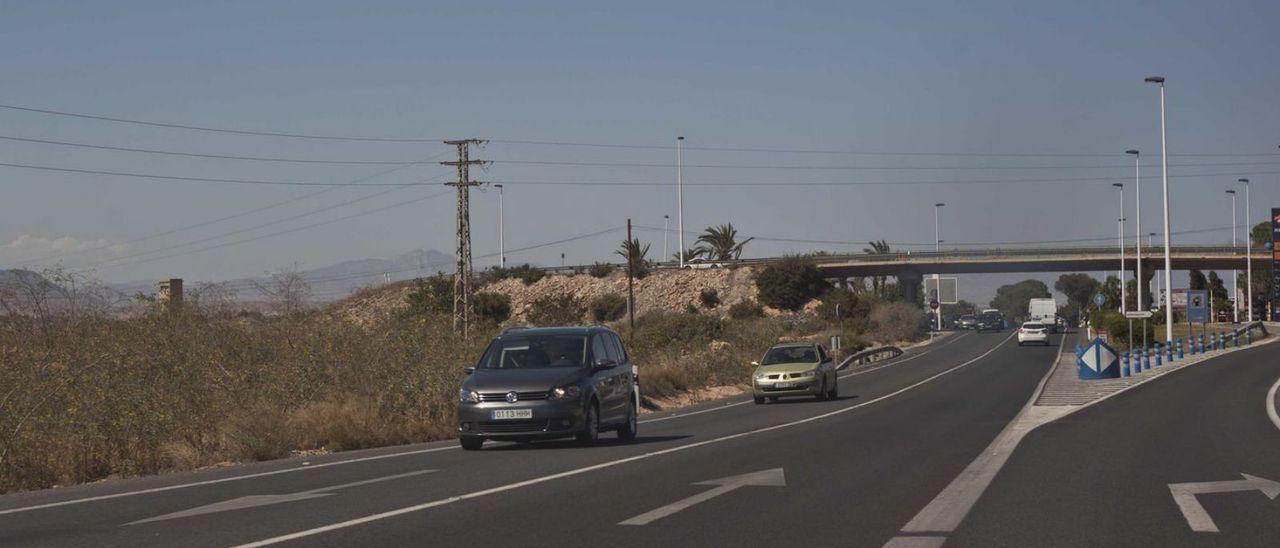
(462,253)
(502,245)
(631,291)
(679,198)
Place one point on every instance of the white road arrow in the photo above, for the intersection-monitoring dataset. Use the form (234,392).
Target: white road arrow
(1184,494)
(763,478)
(253,501)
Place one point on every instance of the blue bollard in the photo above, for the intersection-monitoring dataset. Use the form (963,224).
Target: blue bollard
(1200,340)
(1248,336)
(1180,348)
(1124,364)
(1137,363)
(1159,355)
(1146,358)
(1168,351)
(1235,339)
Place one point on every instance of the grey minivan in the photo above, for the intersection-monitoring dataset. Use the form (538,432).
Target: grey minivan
(550,382)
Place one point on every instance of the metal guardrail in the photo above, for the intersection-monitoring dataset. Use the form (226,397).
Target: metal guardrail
(870,355)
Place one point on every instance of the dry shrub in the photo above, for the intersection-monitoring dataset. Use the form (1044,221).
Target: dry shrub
(895,322)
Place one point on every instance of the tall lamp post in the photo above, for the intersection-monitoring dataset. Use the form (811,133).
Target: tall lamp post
(1137,231)
(680,198)
(1164,183)
(666,225)
(1120,242)
(502,248)
(1248,281)
(937,248)
(1235,274)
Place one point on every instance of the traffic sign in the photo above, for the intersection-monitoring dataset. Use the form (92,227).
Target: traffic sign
(1137,314)
(933,304)
(945,290)
(1099,299)
(1197,306)
(1098,361)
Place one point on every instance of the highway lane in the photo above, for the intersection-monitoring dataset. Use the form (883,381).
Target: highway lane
(458,473)
(1101,476)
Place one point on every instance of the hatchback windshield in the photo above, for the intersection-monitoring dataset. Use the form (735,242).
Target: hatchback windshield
(535,352)
(790,354)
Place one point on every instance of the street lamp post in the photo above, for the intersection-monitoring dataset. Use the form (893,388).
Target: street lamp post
(1235,274)
(1164,182)
(1137,231)
(1248,235)
(1120,242)
(680,198)
(937,248)
(666,225)
(502,248)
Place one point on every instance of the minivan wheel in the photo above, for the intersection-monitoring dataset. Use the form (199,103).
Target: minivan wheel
(628,430)
(591,430)
(471,444)
(759,400)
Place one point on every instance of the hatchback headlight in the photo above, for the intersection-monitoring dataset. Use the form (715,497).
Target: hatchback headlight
(468,396)
(565,393)
(808,373)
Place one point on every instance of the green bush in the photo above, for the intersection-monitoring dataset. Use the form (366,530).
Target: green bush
(662,329)
(526,273)
(600,270)
(790,283)
(494,307)
(608,307)
(848,303)
(743,310)
(553,310)
(710,298)
(430,295)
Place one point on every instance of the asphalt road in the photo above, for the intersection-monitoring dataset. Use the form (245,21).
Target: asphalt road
(855,470)
(1101,476)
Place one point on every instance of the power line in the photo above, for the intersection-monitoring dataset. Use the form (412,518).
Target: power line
(218,130)
(228,217)
(202,155)
(589,144)
(282,232)
(878,183)
(192,179)
(860,168)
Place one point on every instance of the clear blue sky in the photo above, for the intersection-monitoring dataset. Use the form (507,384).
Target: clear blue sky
(973,77)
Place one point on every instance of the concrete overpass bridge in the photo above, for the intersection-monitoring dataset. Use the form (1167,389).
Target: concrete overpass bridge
(910,267)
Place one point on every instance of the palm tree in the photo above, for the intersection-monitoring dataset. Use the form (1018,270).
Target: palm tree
(879,247)
(690,254)
(722,243)
(634,253)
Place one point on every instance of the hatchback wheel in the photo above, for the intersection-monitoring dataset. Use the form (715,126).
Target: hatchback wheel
(591,430)
(471,444)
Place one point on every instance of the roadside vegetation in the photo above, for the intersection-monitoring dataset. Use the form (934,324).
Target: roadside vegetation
(92,387)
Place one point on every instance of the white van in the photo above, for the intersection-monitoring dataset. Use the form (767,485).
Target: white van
(1044,311)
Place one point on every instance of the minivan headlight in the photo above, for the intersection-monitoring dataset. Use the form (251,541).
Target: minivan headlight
(468,396)
(565,393)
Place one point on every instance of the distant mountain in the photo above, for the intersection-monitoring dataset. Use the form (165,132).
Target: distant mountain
(20,276)
(329,282)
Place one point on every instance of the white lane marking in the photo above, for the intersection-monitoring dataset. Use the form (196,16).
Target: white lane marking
(1271,404)
(254,501)
(1184,495)
(607,464)
(888,363)
(765,478)
(219,480)
(945,512)
(916,542)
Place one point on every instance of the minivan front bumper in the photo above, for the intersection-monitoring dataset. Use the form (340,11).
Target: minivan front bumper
(550,419)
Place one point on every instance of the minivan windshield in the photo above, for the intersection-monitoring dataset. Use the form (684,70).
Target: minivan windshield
(535,352)
(790,354)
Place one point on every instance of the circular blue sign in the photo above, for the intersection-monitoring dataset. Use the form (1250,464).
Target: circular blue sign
(1099,299)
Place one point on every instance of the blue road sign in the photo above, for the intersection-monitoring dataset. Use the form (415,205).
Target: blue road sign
(1098,361)
(1099,299)
(1197,306)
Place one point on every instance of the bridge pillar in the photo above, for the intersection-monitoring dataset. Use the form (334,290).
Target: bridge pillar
(1149,268)
(910,284)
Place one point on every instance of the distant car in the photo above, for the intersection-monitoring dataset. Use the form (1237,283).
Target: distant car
(795,369)
(990,321)
(967,321)
(701,263)
(1033,332)
(552,382)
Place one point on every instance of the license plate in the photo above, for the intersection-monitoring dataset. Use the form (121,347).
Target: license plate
(503,414)
(784,385)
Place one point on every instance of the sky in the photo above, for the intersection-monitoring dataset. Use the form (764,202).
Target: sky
(921,99)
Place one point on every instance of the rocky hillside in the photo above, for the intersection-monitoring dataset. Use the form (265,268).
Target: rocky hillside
(662,290)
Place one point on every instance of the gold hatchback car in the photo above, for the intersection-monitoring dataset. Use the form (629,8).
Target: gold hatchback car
(795,369)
